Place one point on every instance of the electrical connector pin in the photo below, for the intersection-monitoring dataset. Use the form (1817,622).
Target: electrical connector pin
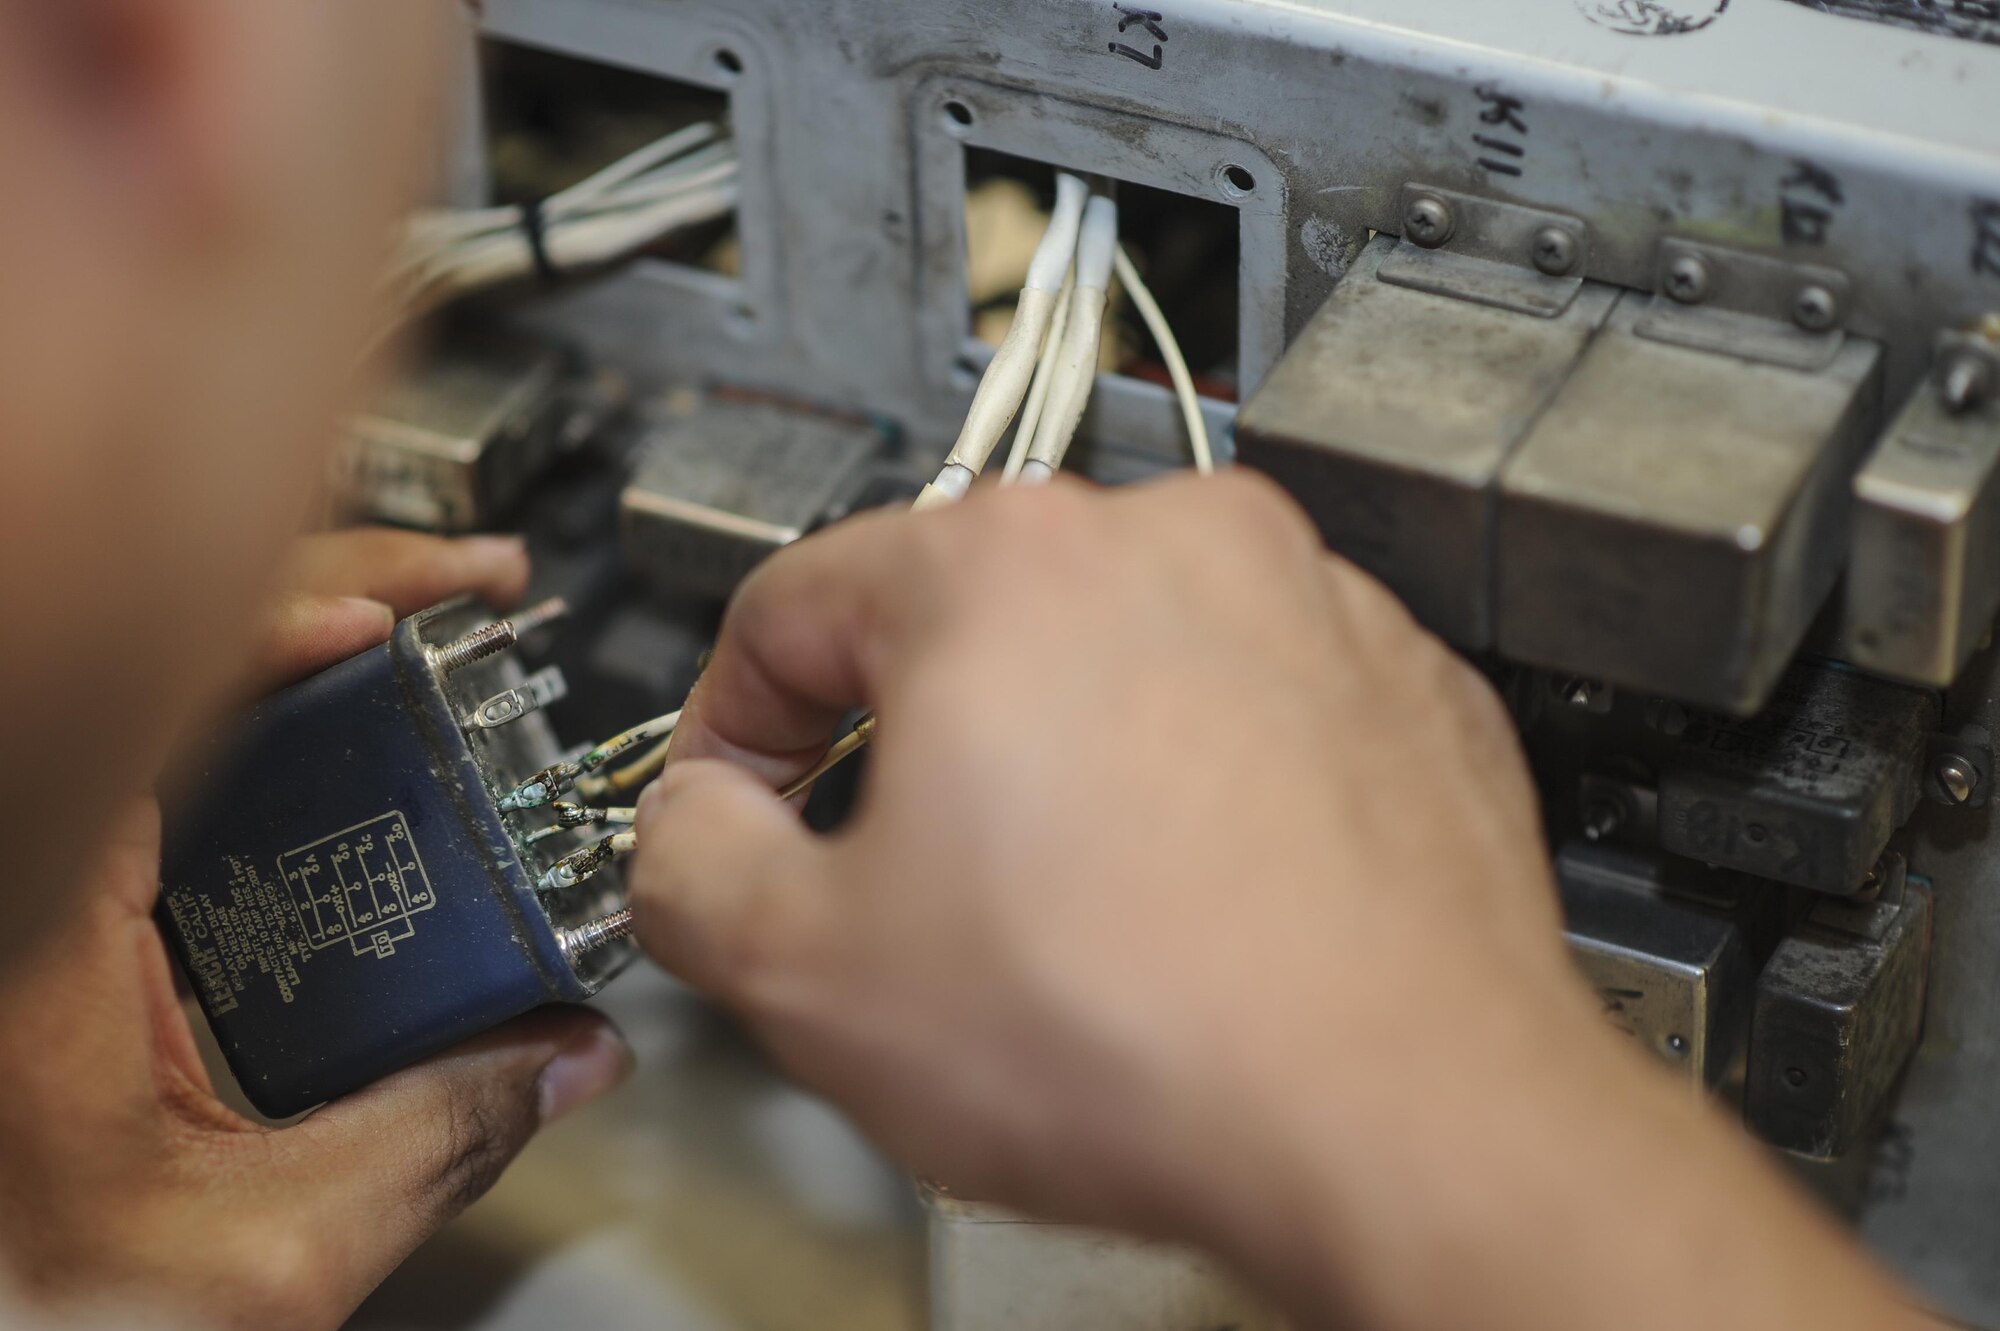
(578,865)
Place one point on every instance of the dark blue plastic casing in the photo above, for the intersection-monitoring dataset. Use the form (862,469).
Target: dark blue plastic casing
(342,891)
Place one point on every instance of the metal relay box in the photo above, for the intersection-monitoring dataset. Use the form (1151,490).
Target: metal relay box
(452,444)
(343,892)
(725,486)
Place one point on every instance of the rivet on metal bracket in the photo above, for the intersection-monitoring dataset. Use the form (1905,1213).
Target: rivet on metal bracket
(1748,305)
(1498,254)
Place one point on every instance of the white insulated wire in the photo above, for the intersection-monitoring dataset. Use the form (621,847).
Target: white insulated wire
(657,153)
(681,180)
(1170,352)
(1038,392)
(1050,266)
(1076,368)
(1009,373)
(677,148)
(622,743)
(1006,380)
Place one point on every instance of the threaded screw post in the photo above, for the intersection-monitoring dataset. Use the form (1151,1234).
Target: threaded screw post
(498,636)
(475,646)
(585,939)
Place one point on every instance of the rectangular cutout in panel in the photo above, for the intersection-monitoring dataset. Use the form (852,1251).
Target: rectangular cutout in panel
(554,120)
(1188,249)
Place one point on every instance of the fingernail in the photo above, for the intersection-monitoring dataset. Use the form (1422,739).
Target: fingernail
(582,1071)
(495,550)
(368,608)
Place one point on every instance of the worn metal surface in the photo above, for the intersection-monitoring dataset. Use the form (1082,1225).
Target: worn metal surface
(1874,157)
(1838,1011)
(719,489)
(1779,311)
(451,443)
(1390,419)
(1500,254)
(1924,577)
(1672,972)
(1807,792)
(1675,518)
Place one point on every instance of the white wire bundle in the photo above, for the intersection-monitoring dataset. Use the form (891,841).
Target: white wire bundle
(682,180)
(1045,374)
(1007,376)
(1170,353)
(1075,371)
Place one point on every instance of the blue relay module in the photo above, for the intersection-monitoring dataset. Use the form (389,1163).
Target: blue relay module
(342,886)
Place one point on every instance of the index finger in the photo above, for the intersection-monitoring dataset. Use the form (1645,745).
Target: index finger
(810,635)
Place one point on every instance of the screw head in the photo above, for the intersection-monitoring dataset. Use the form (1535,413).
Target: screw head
(1580,692)
(1815,308)
(1687,280)
(1554,250)
(1601,819)
(1964,381)
(1427,221)
(1957,778)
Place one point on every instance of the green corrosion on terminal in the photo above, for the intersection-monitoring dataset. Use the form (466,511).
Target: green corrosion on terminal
(540,788)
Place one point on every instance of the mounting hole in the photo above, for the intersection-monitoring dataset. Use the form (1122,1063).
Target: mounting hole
(1795,1078)
(727,63)
(957,116)
(1237,182)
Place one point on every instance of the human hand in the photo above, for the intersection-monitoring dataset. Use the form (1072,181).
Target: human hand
(127,1181)
(1162,802)
(1194,890)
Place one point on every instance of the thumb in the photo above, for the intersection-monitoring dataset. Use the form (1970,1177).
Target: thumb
(727,885)
(387,1166)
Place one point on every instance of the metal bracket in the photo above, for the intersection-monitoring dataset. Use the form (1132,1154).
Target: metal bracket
(1747,305)
(537,691)
(1499,254)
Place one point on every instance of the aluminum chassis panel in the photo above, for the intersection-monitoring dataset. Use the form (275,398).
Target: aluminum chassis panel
(858,225)
(852,222)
